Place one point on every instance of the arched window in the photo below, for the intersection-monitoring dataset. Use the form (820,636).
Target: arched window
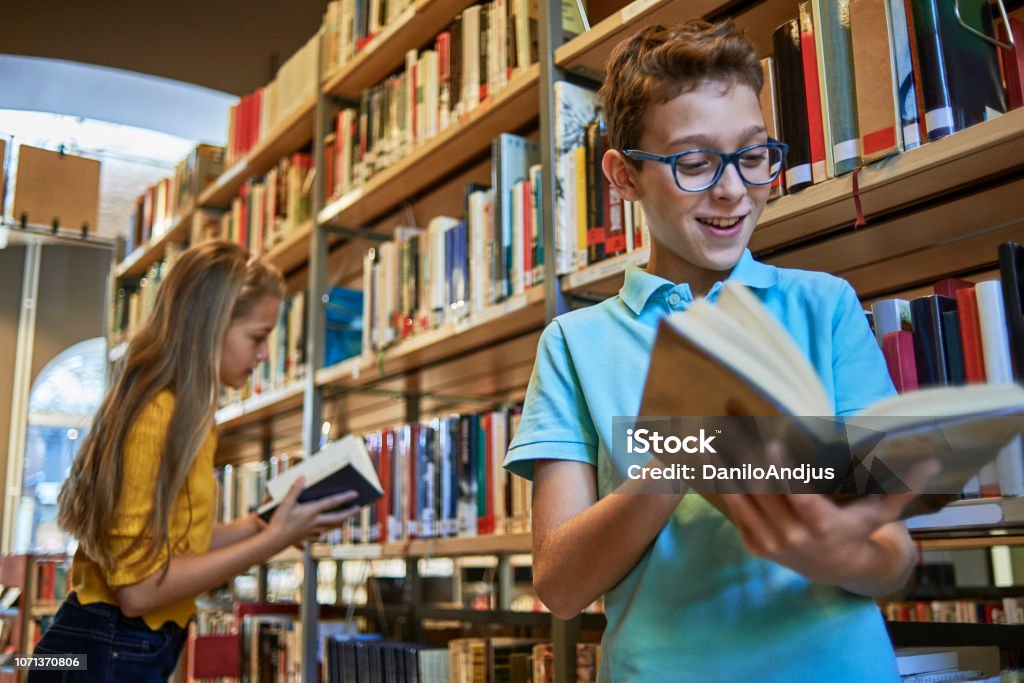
(62,402)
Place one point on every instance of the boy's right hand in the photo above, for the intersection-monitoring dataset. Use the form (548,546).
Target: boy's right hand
(294,522)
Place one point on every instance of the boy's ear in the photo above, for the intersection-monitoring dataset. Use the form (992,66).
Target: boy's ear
(621,173)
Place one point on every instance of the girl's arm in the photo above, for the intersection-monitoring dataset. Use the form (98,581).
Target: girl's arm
(189,575)
(235,531)
(583,546)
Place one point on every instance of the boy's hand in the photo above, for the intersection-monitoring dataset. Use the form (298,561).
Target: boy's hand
(859,546)
(294,522)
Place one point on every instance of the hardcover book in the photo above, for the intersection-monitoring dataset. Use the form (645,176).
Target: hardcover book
(343,465)
(740,362)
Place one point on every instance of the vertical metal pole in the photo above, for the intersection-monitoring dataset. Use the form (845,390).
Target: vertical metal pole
(555,301)
(564,636)
(506,577)
(266,451)
(312,416)
(22,386)
(414,596)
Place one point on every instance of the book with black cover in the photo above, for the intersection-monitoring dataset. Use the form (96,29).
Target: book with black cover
(793,123)
(738,360)
(1011,274)
(343,465)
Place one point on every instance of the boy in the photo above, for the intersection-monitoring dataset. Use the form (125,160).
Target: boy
(781,593)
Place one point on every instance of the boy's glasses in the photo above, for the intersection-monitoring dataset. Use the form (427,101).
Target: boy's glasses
(696,170)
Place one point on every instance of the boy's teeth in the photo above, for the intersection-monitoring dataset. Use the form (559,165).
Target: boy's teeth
(721,222)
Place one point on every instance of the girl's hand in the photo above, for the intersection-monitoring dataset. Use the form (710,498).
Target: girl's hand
(294,522)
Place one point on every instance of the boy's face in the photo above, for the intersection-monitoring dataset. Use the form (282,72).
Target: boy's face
(697,235)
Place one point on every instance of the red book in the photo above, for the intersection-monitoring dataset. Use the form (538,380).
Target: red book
(950,286)
(412,483)
(970,335)
(384,469)
(1013,63)
(815,121)
(527,191)
(486,524)
(898,349)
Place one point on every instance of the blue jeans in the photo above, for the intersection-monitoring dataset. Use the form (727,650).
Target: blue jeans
(117,648)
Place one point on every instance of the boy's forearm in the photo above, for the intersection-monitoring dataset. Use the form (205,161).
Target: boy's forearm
(884,564)
(588,554)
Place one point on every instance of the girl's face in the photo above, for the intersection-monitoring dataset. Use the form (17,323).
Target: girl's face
(245,343)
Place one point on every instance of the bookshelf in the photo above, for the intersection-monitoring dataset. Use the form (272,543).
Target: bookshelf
(511,109)
(291,133)
(138,262)
(419,23)
(933,211)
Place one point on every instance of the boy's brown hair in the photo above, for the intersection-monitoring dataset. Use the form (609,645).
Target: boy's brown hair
(658,64)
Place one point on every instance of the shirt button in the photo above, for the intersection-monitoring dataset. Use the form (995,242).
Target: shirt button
(673,299)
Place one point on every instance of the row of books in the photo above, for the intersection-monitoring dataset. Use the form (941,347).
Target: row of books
(134,300)
(349,26)
(1005,611)
(53,579)
(157,208)
(468,65)
(965,333)
(367,657)
(444,478)
(269,208)
(440,478)
(855,81)
(260,112)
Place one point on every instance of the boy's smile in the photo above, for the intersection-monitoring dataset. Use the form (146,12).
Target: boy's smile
(697,237)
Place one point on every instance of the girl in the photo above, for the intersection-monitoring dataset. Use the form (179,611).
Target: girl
(140,496)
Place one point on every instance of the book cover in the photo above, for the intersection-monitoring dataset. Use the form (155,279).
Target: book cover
(812,88)
(930,345)
(343,465)
(793,122)
(838,87)
(874,70)
(768,99)
(1011,274)
(741,363)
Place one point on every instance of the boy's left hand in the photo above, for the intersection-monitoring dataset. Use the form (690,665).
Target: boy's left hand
(850,545)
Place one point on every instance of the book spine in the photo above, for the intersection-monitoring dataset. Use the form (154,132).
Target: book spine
(874,68)
(838,89)
(793,123)
(930,345)
(898,349)
(812,93)
(1011,272)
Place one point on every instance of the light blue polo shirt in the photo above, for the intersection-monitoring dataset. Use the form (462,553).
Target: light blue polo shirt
(697,606)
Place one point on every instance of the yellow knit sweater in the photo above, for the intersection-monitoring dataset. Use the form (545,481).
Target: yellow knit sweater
(143,450)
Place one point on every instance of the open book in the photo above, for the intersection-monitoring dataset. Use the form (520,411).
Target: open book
(735,359)
(343,465)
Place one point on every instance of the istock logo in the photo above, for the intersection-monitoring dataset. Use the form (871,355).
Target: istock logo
(645,441)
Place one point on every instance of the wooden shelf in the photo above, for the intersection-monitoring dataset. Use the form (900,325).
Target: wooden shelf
(293,132)
(588,52)
(510,110)
(493,544)
(293,251)
(604,279)
(138,262)
(968,158)
(261,407)
(385,54)
(515,316)
(938,634)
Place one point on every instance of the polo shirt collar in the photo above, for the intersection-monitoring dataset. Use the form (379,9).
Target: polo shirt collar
(640,286)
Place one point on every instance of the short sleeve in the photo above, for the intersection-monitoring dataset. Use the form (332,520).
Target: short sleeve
(143,449)
(861,376)
(556,422)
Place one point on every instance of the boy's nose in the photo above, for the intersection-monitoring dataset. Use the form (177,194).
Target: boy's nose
(730,186)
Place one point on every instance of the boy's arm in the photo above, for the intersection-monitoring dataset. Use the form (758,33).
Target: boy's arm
(583,546)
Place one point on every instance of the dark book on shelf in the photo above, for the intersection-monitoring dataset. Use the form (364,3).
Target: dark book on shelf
(740,362)
(930,341)
(789,69)
(343,465)
(961,79)
(1011,273)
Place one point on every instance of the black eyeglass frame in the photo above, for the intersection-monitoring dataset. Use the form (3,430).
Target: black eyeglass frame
(727,159)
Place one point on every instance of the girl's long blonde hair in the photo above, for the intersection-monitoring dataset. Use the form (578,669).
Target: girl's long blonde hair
(178,348)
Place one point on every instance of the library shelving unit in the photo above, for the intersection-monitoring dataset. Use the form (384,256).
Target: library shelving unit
(34,587)
(934,211)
